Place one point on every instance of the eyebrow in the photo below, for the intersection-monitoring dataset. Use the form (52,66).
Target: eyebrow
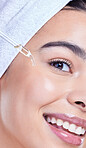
(73,47)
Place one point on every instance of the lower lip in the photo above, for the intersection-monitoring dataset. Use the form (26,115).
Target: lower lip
(67,137)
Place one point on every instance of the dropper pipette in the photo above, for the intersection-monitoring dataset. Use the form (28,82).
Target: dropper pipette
(20,48)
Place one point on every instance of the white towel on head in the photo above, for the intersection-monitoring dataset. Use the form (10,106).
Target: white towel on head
(20,20)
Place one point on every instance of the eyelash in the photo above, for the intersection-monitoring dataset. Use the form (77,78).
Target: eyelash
(61,61)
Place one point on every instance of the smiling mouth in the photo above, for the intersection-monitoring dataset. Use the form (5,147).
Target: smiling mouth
(69,129)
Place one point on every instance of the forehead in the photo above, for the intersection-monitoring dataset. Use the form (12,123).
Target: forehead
(69,25)
(66,20)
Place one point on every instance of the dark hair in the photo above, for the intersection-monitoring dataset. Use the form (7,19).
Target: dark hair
(77,4)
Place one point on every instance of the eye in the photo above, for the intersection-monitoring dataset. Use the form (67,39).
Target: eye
(61,64)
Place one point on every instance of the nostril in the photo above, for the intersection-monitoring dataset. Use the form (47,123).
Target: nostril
(80,103)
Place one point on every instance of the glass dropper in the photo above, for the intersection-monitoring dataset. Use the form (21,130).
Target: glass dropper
(20,47)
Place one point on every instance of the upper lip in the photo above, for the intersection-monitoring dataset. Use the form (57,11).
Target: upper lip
(72,119)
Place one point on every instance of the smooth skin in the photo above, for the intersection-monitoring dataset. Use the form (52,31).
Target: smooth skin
(29,91)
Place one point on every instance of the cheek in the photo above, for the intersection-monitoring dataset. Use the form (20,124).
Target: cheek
(25,96)
(31,91)
(43,89)
(40,90)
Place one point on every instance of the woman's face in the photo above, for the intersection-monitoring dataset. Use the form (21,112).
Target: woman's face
(45,105)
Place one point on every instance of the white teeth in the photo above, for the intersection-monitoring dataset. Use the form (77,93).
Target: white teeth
(59,122)
(66,125)
(53,120)
(72,128)
(48,119)
(78,131)
(83,131)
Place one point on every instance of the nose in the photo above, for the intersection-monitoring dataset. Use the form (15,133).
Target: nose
(78,99)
